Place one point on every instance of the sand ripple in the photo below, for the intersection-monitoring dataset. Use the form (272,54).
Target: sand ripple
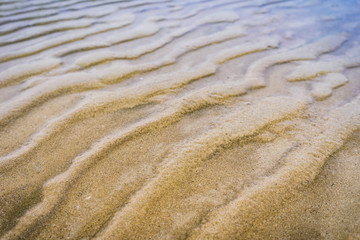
(169,119)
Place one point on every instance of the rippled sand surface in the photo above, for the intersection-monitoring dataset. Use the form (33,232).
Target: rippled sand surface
(179,119)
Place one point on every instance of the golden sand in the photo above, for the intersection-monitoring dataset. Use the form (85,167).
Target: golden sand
(169,119)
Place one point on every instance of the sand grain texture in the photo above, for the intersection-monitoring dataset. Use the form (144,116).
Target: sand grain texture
(169,119)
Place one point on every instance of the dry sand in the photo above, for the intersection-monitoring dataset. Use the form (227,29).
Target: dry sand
(179,119)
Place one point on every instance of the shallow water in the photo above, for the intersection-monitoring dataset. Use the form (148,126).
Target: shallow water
(165,119)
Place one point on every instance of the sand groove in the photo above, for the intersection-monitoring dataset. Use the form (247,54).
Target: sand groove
(131,97)
(115,73)
(169,119)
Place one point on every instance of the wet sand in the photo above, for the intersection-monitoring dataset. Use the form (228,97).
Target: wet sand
(164,119)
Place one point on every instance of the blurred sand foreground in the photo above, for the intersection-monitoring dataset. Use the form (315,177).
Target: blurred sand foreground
(179,119)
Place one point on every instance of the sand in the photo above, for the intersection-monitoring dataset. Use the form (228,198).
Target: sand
(169,119)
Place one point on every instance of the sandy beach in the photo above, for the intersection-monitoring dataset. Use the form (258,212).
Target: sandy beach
(179,119)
